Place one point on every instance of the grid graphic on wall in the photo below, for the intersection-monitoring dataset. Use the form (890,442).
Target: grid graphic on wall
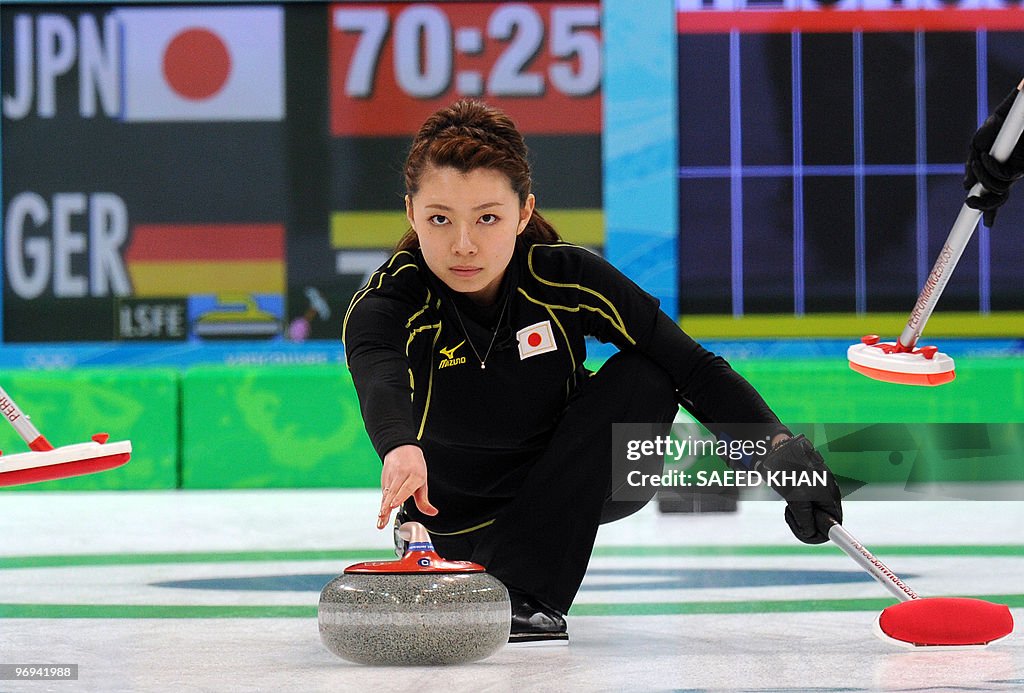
(821,154)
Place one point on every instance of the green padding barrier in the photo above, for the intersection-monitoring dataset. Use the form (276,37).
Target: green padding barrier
(299,426)
(68,407)
(274,427)
(826,390)
(812,396)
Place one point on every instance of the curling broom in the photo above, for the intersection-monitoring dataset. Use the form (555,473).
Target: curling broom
(927,622)
(45,462)
(901,361)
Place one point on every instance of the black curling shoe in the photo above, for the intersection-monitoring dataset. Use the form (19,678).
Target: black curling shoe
(534,623)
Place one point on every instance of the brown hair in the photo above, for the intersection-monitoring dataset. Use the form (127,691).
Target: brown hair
(466,136)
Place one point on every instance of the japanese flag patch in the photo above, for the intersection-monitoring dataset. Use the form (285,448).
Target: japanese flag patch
(536,339)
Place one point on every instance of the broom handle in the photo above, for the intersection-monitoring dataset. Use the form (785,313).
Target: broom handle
(960,234)
(25,428)
(866,560)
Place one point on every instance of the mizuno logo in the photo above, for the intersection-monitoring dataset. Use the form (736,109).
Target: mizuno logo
(449,353)
(450,359)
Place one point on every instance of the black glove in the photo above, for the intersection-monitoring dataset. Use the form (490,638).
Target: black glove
(983,168)
(810,508)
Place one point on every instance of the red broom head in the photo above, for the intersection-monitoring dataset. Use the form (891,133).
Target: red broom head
(63,470)
(946,622)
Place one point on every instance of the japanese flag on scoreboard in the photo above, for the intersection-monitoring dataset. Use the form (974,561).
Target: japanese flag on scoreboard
(181,64)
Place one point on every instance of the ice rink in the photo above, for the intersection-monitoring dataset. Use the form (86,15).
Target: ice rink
(217,591)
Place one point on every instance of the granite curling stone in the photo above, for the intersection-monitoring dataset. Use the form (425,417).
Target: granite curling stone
(415,611)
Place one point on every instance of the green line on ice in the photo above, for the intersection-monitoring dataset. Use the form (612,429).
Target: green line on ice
(131,611)
(124,559)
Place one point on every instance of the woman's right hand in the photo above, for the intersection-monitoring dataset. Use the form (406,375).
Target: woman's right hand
(404,475)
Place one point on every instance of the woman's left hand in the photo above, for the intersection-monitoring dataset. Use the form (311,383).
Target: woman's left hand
(810,509)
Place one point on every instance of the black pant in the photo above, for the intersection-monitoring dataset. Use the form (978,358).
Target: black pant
(540,543)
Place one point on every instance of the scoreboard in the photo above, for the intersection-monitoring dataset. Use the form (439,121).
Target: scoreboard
(186,172)
(391,63)
(821,150)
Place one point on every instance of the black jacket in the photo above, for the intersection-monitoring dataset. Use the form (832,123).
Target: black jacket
(419,382)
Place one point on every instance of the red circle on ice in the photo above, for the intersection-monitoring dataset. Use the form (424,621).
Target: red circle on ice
(197,64)
(533,340)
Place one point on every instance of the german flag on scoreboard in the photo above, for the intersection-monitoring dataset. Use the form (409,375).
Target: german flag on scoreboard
(169,260)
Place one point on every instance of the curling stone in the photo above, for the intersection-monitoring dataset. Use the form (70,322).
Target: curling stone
(418,610)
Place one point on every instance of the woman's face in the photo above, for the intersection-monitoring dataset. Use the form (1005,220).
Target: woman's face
(467,225)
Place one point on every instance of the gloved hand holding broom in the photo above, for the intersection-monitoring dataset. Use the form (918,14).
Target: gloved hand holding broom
(995,176)
(798,473)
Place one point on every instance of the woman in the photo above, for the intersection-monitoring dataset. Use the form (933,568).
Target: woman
(467,349)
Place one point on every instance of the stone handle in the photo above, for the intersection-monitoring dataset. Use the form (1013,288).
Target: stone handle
(414,533)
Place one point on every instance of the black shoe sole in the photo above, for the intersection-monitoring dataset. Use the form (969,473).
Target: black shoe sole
(538,639)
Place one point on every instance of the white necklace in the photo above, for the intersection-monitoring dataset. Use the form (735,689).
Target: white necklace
(497,326)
